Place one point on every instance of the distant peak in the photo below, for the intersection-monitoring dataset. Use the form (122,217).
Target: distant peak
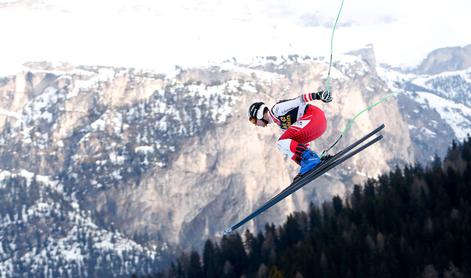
(446,59)
(367,54)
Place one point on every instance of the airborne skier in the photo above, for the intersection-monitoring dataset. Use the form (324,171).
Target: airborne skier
(302,122)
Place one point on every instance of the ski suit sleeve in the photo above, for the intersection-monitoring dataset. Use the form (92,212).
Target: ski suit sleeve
(284,106)
(323,95)
(308,97)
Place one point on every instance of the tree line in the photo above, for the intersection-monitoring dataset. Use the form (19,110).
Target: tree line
(411,222)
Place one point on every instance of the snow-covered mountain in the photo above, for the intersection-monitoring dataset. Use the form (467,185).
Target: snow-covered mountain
(107,171)
(45,233)
(438,105)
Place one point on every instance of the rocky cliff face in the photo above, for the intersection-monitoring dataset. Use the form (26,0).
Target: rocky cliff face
(172,160)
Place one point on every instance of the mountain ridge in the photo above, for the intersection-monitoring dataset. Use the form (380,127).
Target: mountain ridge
(174,155)
(446,59)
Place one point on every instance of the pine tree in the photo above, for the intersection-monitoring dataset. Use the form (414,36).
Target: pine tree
(411,222)
(194,269)
(275,273)
(253,246)
(212,265)
(233,251)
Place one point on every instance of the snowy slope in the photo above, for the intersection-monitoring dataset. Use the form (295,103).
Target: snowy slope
(448,93)
(44,232)
(436,106)
(456,115)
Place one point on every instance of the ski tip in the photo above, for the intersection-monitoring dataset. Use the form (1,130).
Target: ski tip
(227,231)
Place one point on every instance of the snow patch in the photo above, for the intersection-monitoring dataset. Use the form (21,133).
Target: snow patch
(450,111)
(98,125)
(37,108)
(144,149)
(260,74)
(7,113)
(117,159)
(427,132)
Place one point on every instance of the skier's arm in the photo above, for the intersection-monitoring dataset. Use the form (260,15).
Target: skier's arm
(284,106)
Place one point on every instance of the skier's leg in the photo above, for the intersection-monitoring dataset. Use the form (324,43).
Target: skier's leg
(295,141)
(292,149)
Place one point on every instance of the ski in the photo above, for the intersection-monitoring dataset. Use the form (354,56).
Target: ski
(321,169)
(332,165)
(335,157)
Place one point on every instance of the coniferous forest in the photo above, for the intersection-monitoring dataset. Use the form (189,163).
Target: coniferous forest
(411,222)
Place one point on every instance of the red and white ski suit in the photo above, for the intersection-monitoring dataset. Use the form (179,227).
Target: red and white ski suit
(302,123)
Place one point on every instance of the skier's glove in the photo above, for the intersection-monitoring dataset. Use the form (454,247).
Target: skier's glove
(325,96)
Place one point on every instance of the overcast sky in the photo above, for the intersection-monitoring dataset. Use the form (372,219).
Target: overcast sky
(154,33)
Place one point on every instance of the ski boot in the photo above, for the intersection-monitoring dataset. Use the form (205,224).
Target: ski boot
(309,160)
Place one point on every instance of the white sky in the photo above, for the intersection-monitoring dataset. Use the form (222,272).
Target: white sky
(156,33)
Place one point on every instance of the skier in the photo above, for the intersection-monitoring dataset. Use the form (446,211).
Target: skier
(302,123)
